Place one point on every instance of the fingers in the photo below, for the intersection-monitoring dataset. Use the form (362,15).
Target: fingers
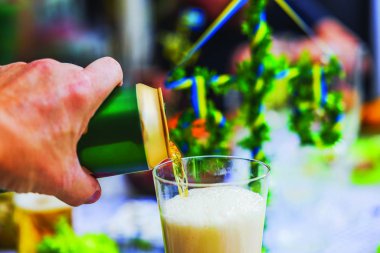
(80,188)
(105,74)
(71,66)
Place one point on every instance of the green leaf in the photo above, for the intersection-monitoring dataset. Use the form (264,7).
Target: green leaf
(66,241)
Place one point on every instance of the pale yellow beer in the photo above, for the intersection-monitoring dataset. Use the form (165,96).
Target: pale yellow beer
(224,210)
(225,219)
(36,216)
(7,227)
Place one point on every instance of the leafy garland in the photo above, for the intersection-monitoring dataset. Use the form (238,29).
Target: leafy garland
(202,128)
(317,110)
(255,78)
(317,113)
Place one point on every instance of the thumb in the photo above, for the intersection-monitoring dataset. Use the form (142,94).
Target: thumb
(79,188)
(105,74)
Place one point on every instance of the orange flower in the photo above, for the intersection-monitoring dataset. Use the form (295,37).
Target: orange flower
(199,130)
(173,121)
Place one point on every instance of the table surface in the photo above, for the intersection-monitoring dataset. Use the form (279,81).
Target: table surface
(312,217)
(314,208)
(299,220)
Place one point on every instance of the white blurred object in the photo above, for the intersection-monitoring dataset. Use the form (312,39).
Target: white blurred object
(314,208)
(137,219)
(38,202)
(136,33)
(114,186)
(375,7)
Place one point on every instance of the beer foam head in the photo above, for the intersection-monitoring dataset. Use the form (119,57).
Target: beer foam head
(38,202)
(214,206)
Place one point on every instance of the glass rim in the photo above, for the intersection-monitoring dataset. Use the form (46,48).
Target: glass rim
(238,182)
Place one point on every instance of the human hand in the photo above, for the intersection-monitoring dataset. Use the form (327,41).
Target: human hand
(45,107)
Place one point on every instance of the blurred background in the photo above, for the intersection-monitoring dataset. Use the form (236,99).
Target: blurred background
(332,206)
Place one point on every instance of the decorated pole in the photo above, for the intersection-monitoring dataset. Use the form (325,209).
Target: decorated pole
(255,78)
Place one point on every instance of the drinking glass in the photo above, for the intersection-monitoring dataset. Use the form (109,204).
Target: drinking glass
(36,216)
(224,211)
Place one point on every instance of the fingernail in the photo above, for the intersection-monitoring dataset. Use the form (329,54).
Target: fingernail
(94,197)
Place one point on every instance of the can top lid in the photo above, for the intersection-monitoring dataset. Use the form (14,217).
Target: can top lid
(153,124)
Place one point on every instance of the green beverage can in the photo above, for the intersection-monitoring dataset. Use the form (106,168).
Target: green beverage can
(127,134)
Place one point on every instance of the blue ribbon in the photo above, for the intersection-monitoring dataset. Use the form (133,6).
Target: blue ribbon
(324,89)
(255,151)
(194,98)
(198,93)
(260,70)
(180,84)
(230,10)
(282,74)
(219,80)
(223,122)
(339,117)
(263,18)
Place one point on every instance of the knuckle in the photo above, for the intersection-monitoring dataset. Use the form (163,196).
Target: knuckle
(19,63)
(44,65)
(79,90)
(14,64)
(11,66)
